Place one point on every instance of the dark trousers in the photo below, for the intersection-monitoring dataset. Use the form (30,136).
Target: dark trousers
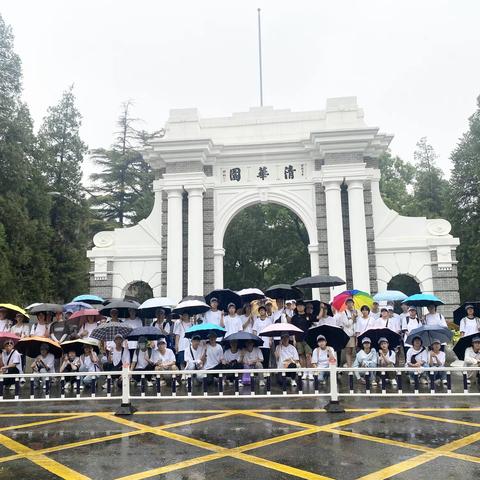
(266,357)
(138,378)
(10,381)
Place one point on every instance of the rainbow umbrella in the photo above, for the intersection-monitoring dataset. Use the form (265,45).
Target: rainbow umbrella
(359,299)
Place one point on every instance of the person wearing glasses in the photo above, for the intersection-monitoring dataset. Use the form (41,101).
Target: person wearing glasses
(11,363)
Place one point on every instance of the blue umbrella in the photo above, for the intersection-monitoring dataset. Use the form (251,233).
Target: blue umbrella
(204,330)
(429,333)
(422,300)
(76,306)
(88,298)
(390,296)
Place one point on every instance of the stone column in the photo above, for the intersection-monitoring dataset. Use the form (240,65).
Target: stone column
(314,267)
(195,240)
(336,252)
(174,243)
(218,254)
(358,236)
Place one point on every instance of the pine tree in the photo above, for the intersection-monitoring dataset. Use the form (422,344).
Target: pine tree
(24,207)
(62,152)
(465,207)
(430,192)
(123,189)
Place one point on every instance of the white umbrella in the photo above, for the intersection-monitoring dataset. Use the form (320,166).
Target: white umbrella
(148,308)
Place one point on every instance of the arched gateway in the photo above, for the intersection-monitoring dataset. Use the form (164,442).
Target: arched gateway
(323,165)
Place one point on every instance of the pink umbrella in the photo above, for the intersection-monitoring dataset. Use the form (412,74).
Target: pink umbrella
(81,315)
(276,329)
(8,336)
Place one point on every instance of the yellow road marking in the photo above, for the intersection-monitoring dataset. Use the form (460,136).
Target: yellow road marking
(42,461)
(41,422)
(437,419)
(280,467)
(401,467)
(278,419)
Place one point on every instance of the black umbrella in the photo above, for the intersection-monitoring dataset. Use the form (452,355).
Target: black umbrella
(284,291)
(150,333)
(47,307)
(463,344)
(200,298)
(374,334)
(224,297)
(79,344)
(335,336)
(319,281)
(242,338)
(121,305)
(460,312)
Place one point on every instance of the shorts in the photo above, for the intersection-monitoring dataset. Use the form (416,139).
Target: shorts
(303,348)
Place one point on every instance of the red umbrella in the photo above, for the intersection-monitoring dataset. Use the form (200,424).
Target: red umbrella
(82,314)
(8,336)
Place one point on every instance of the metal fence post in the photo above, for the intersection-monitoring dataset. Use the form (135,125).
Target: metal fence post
(126,408)
(333,406)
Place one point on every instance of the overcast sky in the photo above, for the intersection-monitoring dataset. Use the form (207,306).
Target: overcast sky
(414,65)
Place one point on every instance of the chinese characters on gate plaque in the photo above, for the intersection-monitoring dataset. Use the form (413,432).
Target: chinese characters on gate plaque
(262,172)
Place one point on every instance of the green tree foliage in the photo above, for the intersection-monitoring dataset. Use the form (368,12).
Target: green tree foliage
(61,152)
(465,207)
(396,178)
(430,189)
(265,245)
(122,190)
(24,208)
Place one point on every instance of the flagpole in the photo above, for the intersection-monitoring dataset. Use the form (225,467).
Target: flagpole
(260,57)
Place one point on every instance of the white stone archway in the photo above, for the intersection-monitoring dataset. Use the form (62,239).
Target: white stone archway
(283,197)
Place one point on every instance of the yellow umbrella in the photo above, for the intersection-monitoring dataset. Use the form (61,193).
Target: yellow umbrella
(12,310)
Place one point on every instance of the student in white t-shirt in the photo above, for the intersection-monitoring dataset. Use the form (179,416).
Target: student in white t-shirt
(247,318)
(411,322)
(44,363)
(214,315)
(231,322)
(142,361)
(41,328)
(133,322)
(435,318)
(213,356)
(261,322)
(436,359)
(89,362)
(164,359)
(386,358)
(365,321)
(5,324)
(322,356)
(232,355)
(470,324)
(417,357)
(11,363)
(287,356)
(194,354)
(181,342)
(21,326)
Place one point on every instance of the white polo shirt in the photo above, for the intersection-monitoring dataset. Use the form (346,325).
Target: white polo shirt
(214,356)
(286,352)
(232,324)
(252,357)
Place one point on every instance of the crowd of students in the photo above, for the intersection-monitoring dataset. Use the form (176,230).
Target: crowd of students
(174,351)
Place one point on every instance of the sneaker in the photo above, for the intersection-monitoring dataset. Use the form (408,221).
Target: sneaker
(68,386)
(362,381)
(374,383)
(393,382)
(445,382)
(424,381)
(149,383)
(12,386)
(261,383)
(139,384)
(468,381)
(105,385)
(294,383)
(438,381)
(163,383)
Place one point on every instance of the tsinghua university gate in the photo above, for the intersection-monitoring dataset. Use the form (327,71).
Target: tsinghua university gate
(323,165)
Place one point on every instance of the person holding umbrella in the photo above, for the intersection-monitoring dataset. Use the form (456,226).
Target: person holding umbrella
(322,356)
(366,358)
(231,322)
(5,323)
(260,323)
(247,318)
(70,363)
(323,318)
(287,357)
(165,325)
(116,357)
(214,315)
(181,342)
(89,325)
(387,358)
(59,330)
(365,321)
(11,363)
(41,328)
(21,326)
(195,354)
(470,324)
(143,360)
(435,318)
(133,321)
(301,321)
(472,359)
(44,363)
(436,359)
(213,357)
(347,321)
(89,363)
(410,323)
(164,358)
(232,355)
(417,357)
